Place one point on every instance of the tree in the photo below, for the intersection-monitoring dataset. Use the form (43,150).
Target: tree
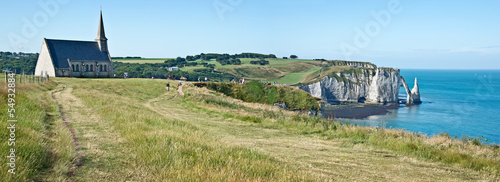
(294,56)
(190,58)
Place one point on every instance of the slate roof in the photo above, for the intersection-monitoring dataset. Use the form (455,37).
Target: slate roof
(62,50)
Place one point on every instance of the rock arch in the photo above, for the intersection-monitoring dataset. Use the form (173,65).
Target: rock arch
(413,96)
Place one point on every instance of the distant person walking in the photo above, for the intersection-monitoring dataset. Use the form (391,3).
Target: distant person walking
(168,86)
(206,79)
(180,82)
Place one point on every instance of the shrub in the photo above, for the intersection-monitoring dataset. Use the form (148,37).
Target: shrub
(257,92)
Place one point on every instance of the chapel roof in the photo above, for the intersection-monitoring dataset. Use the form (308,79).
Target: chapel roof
(62,50)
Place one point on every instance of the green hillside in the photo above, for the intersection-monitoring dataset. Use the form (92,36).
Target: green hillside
(136,130)
(225,67)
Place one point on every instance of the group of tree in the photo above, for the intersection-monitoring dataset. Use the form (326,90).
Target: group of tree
(229,61)
(260,62)
(18,62)
(210,56)
(157,70)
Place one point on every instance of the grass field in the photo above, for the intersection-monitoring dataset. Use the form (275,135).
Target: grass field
(294,78)
(142,61)
(285,71)
(43,145)
(136,130)
(191,68)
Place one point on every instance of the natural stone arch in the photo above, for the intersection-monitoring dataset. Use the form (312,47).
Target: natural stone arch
(413,96)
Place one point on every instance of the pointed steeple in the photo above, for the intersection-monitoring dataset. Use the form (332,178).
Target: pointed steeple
(100,32)
(101,36)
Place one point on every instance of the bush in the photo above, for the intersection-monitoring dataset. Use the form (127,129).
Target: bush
(257,92)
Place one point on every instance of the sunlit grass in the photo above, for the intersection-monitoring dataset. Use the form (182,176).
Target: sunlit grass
(134,130)
(43,145)
(441,148)
(166,148)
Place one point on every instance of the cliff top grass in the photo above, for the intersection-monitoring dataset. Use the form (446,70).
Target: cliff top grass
(466,153)
(136,130)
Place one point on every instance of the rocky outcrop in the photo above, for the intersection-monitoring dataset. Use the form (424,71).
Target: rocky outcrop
(413,96)
(373,85)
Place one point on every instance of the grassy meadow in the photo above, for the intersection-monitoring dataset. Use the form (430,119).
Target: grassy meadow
(136,130)
(285,71)
(141,61)
(43,144)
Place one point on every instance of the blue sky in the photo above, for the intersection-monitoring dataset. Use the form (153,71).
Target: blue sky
(391,33)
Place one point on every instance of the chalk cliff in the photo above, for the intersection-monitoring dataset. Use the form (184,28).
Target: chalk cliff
(365,84)
(371,85)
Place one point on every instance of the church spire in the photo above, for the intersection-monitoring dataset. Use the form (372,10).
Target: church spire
(101,36)
(100,33)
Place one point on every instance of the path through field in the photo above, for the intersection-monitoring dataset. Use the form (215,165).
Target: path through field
(328,159)
(100,147)
(107,158)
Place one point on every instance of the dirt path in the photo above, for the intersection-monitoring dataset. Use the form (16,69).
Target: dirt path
(78,159)
(100,147)
(331,159)
(179,89)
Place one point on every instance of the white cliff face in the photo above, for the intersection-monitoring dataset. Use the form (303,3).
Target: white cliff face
(385,86)
(372,85)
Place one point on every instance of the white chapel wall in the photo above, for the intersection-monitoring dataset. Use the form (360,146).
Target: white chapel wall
(44,63)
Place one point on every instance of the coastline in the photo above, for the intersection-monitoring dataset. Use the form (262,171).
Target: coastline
(358,110)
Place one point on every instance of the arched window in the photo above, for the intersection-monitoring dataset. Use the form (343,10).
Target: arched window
(91,67)
(73,67)
(105,67)
(87,67)
(100,67)
(77,68)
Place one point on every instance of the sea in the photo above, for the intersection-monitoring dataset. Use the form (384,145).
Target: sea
(463,103)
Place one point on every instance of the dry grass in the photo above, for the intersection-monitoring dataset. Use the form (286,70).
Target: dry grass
(43,145)
(126,139)
(134,130)
(369,158)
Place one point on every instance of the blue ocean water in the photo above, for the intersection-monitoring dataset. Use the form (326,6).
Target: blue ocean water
(459,102)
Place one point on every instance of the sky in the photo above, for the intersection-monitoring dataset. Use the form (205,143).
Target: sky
(406,34)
